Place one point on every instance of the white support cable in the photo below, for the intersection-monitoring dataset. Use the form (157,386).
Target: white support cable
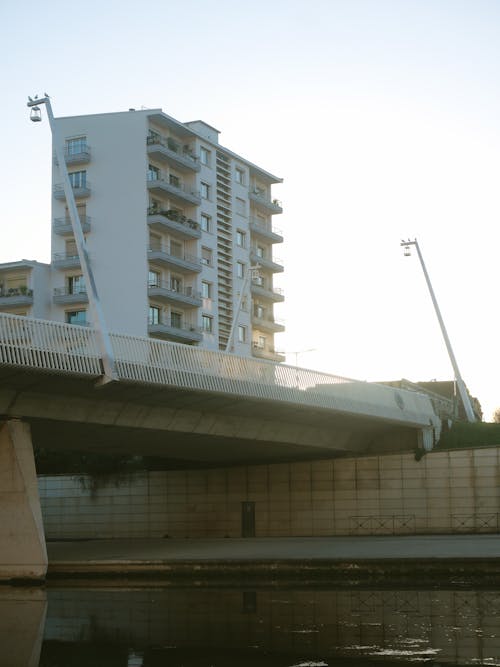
(102,332)
(462,390)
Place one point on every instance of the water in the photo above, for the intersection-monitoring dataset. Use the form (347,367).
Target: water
(198,626)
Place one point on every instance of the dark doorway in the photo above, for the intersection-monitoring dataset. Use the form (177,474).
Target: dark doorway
(248,519)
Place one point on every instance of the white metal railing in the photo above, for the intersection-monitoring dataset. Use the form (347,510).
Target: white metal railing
(47,345)
(53,346)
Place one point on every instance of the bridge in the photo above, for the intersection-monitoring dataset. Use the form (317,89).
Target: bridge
(188,405)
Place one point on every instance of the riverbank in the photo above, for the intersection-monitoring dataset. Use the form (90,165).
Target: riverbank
(375,560)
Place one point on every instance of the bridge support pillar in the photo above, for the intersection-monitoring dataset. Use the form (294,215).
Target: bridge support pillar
(23,553)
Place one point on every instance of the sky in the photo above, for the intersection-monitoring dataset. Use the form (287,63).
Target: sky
(381,116)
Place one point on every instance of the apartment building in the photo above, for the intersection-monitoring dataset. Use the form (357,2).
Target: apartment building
(178,229)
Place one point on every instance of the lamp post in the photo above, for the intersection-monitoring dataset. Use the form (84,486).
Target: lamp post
(103,339)
(460,383)
(253,273)
(296,354)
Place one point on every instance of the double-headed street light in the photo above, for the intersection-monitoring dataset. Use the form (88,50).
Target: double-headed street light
(464,395)
(103,339)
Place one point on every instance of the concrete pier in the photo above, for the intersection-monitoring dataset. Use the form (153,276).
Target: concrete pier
(23,554)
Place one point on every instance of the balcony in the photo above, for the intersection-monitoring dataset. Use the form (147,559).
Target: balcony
(180,192)
(274,265)
(169,151)
(185,296)
(173,259)
(62,226)
(64,296)
(13,297)
(79,192)
(270,293)
(77,155)
(65,260)
(172,330)
(268,324)
(261,200)
(267,352)
(265,231)
(172,221)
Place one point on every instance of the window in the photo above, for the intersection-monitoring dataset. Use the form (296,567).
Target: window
(76,317)
(153,173)
(207,323)
(240,269)
(154,315)
(259,311)
(155,242)
(262,342)
(153,279)
(70,247)
(239,176)
(153,137)
(240,238)
(260,251)
(78,179)
(175,284)
(242,334)
(76,146)
(76,284)
(206,256)
(206,290)
(176,249)
(174,180)
(205,222)
(240,206)
(176,319)
(205,190)
(204,156)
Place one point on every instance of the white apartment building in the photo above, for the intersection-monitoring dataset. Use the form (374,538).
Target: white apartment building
(173,223)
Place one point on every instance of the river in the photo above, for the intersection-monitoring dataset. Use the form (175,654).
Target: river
(136,625)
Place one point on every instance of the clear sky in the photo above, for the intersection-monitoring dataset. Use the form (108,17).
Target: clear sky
(382,117)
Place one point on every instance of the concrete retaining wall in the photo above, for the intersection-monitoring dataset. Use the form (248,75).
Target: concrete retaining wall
(445,492)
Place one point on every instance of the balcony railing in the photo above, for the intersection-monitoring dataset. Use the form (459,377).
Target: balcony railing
(67,294)
(79,191)
(268,323)
(181,260)
(63,227)
(181,191)
(80,156)
(272,263)
(185,295)
(267,352)
(175,221)
(65,260)
(15,291)
(15,296)
(261,198)
(175,330)
(273,293)
(172,151)
(266,230)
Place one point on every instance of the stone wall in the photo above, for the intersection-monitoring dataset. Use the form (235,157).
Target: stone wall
(444,492)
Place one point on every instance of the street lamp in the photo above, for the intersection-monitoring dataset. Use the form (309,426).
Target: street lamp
(296,354)
(103,339)
(460,383)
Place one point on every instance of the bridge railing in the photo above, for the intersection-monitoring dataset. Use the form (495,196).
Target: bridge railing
(53,346)
(46,345)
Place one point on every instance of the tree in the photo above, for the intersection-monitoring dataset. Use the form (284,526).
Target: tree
(496,416)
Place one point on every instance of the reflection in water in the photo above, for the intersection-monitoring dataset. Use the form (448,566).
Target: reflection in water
(202,627)
(22,620)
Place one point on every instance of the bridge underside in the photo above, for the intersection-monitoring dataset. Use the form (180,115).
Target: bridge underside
(185,428)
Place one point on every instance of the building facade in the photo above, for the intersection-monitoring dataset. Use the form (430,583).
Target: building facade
(179,233)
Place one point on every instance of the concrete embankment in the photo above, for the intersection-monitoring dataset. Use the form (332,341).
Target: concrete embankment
(423,560)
